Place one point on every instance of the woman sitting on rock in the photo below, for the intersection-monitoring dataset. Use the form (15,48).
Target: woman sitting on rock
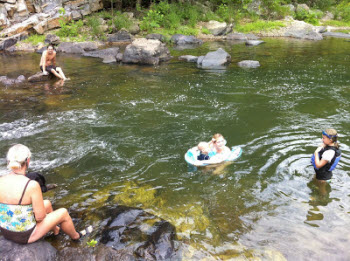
(24,216)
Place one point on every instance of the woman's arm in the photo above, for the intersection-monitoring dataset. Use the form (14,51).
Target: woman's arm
(37,202)
(319,163)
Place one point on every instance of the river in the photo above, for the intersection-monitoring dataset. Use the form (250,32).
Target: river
(118,134)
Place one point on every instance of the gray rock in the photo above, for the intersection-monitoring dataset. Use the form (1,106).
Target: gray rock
(215,59)
(77,48)
(249,64)
(12,40)
(52,39)
(119,57)
(336,35)
(108,55)
(254,7)
(241,36)
(143,51)
(302,30)
(188,58)
(134,28)
(180,39)
(327,16)
(200,59)
(159,37)
(20,79)
(6,81)
(216,28)
(39,77)
(302,7)
(38,251)
(254,42)
(121,36)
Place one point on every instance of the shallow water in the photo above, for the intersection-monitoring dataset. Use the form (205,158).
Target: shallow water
(123,130)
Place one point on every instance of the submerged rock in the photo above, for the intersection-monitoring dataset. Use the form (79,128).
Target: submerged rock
(253,42)
(8,81)
(241,36)
(188,58)
(249,64)
(336,35)
(215,59)
(143,51)
(180,39)
(142,233)
(38,251)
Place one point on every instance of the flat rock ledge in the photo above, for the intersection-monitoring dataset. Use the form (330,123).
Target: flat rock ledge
(249,64)
(39,77)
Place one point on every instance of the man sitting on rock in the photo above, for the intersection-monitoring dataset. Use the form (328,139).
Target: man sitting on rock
(48,63)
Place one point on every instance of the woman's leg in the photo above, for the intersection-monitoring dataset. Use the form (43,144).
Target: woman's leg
(49,209)
(57,217)
(59,70)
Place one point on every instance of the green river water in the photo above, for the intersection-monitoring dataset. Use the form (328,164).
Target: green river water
(117,134)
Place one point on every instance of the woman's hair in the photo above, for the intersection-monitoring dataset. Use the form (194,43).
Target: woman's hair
(334,136)
(17,156)
(216,136)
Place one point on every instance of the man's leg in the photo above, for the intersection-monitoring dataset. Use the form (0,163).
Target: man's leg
(56,74)
(59,70)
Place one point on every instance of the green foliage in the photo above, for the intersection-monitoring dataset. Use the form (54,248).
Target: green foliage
(205,31)
(121,21)
(35,39)
(259,25)
(62,11)
(71,29)
(92,243)
(153,19)
(311,17)
(105,15)
(336,23)
(94,24)
(342,11)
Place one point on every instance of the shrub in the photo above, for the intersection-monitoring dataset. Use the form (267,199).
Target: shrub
(94,23)
(71,29)
(342,11)
(35,39)
(122,21)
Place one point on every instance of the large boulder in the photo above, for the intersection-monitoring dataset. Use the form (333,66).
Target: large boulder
(12,40)
(217,28)
(121,36)
(213,60)
(77,48)
(143,51)
(180,39)
(241,37)
(302,30)
(108,55)
(249,64)
(52,39)
(38,251)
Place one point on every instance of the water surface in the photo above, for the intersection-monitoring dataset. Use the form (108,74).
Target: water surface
(117,134)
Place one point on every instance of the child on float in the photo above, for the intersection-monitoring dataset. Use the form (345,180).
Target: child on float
(326,158)
(204,149)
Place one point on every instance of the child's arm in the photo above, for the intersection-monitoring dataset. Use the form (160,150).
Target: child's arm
(319,163)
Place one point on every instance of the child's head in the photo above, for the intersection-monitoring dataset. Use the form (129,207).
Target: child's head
(329,136)
(203,147)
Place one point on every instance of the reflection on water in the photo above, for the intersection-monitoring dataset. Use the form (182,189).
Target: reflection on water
(116,134)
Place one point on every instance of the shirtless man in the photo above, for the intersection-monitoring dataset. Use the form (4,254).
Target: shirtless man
(48,63)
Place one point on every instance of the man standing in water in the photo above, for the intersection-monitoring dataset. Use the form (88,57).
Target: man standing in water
(48,63)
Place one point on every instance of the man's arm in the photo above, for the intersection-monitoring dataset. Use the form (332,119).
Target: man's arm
(44,62)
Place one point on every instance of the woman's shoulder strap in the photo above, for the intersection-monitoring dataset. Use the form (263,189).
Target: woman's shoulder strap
(24,190)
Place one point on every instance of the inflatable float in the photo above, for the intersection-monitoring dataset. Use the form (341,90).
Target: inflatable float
(192,154)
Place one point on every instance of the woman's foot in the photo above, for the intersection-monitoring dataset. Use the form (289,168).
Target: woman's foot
(84,232)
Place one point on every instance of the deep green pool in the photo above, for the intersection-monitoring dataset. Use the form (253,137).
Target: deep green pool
(117,134)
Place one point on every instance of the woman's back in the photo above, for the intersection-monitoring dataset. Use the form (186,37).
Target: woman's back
(12,187)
